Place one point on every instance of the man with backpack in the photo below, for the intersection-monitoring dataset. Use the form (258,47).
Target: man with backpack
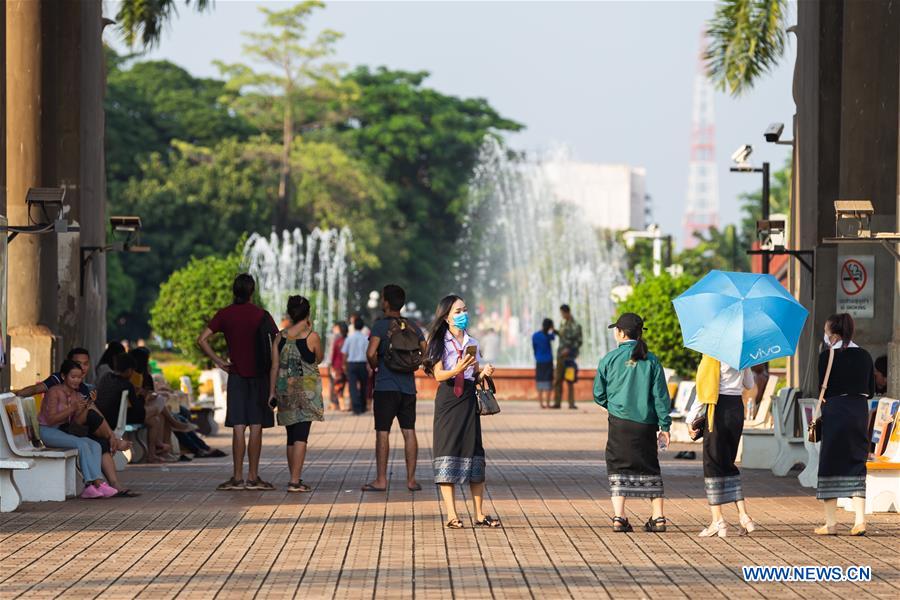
(396,350)
(249,333)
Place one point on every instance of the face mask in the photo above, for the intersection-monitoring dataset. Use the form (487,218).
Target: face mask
(461,320)
(827,340)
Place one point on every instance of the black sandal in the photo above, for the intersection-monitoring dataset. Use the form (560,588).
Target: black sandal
(655,525)
(488,521)
(298,487)
(454,524)
(621,525)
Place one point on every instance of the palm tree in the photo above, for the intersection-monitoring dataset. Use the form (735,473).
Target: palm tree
(146,18)
(746,41)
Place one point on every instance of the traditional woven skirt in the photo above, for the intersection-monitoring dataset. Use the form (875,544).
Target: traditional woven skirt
(845,448)
(458,452)
(721,478)
(632,464)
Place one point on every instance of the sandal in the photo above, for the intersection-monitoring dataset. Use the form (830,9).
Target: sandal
(298,487)
(621,525)
(454,524)
(488,521)
(126,494)
(368,487)
(655,525)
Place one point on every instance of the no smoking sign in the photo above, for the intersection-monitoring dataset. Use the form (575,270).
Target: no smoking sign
(856,286)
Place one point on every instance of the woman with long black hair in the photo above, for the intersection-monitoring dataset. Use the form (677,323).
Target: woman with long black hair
(630,384)
(454,360)
(847,380)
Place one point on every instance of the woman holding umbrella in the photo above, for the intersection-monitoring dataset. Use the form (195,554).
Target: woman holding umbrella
(847,379)
(630,384)
(719,388)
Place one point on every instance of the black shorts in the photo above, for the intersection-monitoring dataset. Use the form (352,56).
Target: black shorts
(388,405)
(298,432)
(247,403)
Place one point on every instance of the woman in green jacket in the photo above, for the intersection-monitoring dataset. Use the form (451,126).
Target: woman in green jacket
(631,385)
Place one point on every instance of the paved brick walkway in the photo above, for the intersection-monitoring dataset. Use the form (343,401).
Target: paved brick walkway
(546,480)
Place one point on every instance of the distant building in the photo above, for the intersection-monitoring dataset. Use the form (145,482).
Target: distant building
(609,196)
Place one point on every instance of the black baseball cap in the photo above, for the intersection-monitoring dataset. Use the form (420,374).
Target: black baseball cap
(628,322)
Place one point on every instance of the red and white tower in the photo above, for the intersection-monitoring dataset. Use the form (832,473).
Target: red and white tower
(701,210)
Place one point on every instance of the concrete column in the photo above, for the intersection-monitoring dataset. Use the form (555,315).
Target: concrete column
(894,346)
(31,306)
(93,175)
(4,369)
(868,161)
(61,160)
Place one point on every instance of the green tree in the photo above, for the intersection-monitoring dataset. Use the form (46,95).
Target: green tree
(652,299)
(189,299)
(297,87)
(149,104)
(145,19)
(746,41)
(723,249)
(198,202)
(425,144)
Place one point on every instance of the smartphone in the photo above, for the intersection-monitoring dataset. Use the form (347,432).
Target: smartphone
(470,351)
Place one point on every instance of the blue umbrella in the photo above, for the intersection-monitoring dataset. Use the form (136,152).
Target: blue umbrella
(742,319)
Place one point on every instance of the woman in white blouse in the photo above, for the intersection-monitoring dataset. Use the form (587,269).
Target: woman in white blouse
(721,437)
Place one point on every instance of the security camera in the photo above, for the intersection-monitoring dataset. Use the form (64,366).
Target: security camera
(773,132)
(742,154)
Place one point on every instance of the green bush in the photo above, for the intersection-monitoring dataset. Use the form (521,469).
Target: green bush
(652,300)
(174,371)
(190,298)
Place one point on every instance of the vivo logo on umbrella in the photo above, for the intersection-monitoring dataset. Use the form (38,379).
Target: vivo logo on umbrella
(763,352)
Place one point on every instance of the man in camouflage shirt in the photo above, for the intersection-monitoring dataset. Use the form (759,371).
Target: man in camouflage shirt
(569,345)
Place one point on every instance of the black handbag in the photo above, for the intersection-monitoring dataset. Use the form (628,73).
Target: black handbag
(699,427)
(814,432)
(486,398)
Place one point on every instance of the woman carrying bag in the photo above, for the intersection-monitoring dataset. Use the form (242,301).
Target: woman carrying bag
(295,387)
(847,380)
(453,359)
(630,384)
(721,410)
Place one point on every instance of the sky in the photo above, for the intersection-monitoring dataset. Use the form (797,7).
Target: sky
(611,80)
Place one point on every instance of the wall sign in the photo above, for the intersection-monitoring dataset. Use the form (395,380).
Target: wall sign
(856,286)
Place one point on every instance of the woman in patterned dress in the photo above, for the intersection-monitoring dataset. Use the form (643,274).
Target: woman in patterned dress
(454,360)
(295,387)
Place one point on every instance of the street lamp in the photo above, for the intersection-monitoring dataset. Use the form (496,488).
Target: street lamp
(741,158)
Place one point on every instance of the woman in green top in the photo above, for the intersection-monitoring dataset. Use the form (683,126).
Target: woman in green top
(295,387)
(630,384)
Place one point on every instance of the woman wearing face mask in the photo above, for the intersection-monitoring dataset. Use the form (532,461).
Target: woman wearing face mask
(453,358)
(630,384)
(845,423)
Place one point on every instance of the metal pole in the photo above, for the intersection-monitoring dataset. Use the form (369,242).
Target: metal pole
(765,209)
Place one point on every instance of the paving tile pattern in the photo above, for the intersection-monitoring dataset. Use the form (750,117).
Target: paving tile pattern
(546,481)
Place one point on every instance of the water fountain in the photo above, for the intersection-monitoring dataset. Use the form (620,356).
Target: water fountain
(316,266)
(524,253)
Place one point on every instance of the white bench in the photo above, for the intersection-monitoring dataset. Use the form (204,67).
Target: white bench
(684,400)
(219,380)
(53,476)
(758,448)
(10,496)
(122,458)
(791,443)
(809,476)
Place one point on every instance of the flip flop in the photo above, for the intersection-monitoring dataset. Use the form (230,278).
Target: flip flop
(126,494)
(415,488)
(371,488)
